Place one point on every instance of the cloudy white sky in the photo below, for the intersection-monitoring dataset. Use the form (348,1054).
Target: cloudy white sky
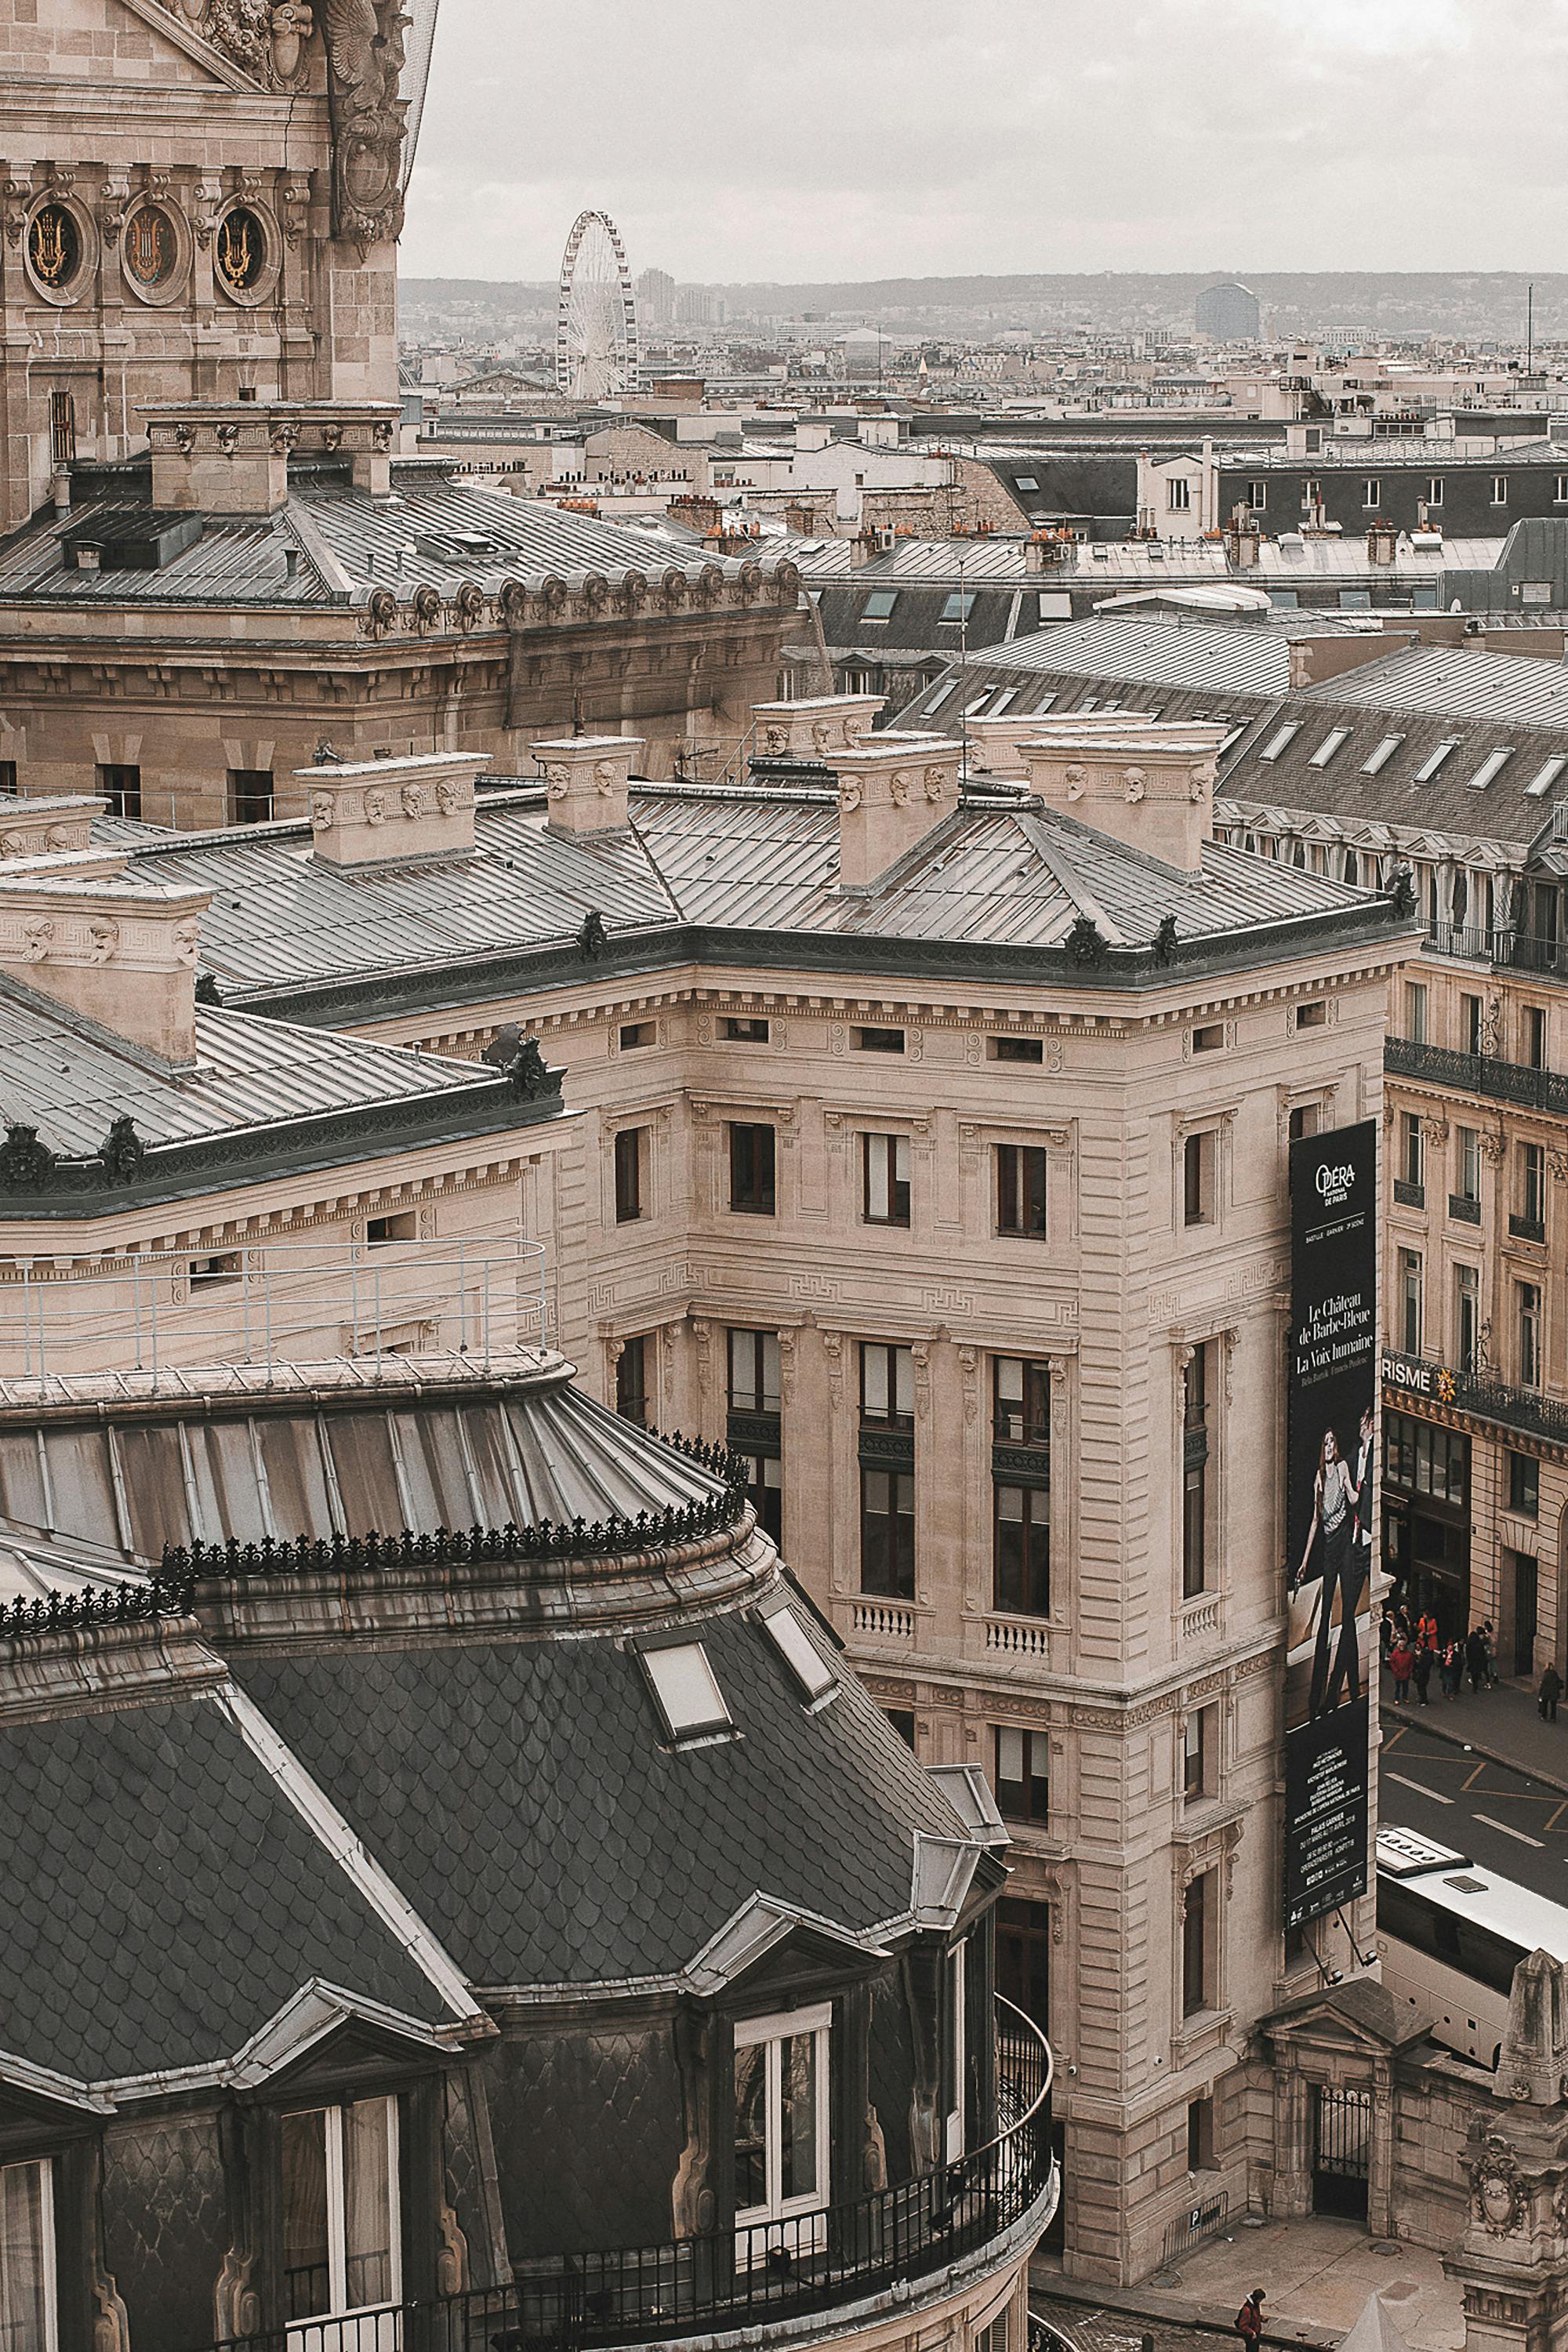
(846,139)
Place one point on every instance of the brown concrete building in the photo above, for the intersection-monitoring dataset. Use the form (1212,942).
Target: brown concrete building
(932,1150)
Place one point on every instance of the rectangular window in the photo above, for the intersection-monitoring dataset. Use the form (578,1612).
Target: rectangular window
(1198,1177)
(885,1171)
(780,2132)
(1178,496)
(631,1382)
(764,1491)
(1469,1024)
(902,1719)
(1022,1551)
(1210,1038)
(1416,1011)
(1470,1156)
(341,2207)
(250,796)
(1434,758)
(1020,1400)
(1257,496)
(1021,1190)
(751,1156)
(1527,1303)
(1281,739)
(1532,1038)
(1559,491)
(1546,775)
(1200,1736)
(1489,767)
(1304,1119)
(1532,1187)
(121,786)
(1380,754)
(754,1371)
(27,2258)
(1329,746)
(1200,2136)
(402,1227)
(1195,1435)
(1434,489)
(958,607)
(1022,1773)
(887,1385)
(876,1041)
(1408,1302)
(1412,1154)
(1024,1958)
(880,604)
(1524,1484)
(1195,1934)
(1372,492)
(62,439)
(631,1154)
(887,1533)
(638,1034)
(1312,1016)
(743,1029)
(1467,1316)
(1017,1049)
(1500,489)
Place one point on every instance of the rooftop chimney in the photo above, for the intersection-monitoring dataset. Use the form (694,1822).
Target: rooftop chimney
(816,729)
(122,953)
(588,778)
(220,456)
(891,791)
(387,812)
(1149,785)
(48,826)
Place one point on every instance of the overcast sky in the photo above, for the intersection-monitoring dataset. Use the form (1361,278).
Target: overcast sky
(846,138)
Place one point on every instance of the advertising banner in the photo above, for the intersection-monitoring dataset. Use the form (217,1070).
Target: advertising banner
(1329,1516)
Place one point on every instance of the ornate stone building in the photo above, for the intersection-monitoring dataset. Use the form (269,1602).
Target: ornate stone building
(932,1150)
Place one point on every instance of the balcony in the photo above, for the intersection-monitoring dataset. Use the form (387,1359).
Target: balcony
(1464,1210)
(1408,1194)
(1527,1229)
(1507,950)
(1476,1074)
(752,2277)
(1418,1379)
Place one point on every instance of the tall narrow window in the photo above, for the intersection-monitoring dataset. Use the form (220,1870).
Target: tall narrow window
(781,2135)
(752,1152)
(1195,1473)
(754,1371)
(1470,1150)
(27,2258)
(1023,1774)
(1411,1152)
(1408,1301)
(1198,1179)
(1199,1740)
(1527,1296)
(887,1533)
(887,1385)
(1467,1316)
(886,1179)
(1021,1400)
(631,1382)
(1533,1036)
(631,1156)
(250,796)
(1022,1549)
(1024,1958)
(121,786)
(1530,1220)
(1020,1189)
(340,2247)
(62,449)
(1416,1011)
(1195,1932)
(1469,1024)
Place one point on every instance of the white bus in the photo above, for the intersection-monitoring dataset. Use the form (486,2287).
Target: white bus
(1452,1934)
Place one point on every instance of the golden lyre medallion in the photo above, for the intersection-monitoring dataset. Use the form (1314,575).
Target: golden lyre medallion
(54,246)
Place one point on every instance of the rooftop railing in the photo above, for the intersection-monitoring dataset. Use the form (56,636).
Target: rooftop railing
(268,1303)
(744,2277)
(1497,944)
(1476,1074)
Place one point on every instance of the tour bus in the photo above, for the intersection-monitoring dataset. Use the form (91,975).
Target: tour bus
(1452,1934)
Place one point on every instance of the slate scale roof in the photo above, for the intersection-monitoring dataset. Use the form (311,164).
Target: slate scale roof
(501,1763)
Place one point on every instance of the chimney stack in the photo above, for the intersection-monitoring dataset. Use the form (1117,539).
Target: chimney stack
(393,812)
(814,730)
(120,953)
(892,791)
(588,779)
(1149,785)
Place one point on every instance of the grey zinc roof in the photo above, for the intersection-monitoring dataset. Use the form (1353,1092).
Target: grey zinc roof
(1460,682)
(1250,657)
(523,1799)
(163,1900)
(68,1080)
(1281,562)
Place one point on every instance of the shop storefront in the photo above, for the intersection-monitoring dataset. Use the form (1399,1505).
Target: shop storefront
(1427,1518)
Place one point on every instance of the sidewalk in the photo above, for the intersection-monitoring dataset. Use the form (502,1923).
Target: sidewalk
(1502,1724)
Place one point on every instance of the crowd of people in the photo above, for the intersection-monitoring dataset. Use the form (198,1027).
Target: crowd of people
(1414,1650)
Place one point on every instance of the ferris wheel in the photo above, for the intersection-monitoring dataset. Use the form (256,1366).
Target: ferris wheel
(596,319)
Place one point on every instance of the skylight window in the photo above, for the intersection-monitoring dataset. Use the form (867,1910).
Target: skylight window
(687,1691)
(1545,776)
(959,605)
(973,709)
(1025,482)
(1434,760)
(1281,740)
(809,1667)
(1009,694)
(939,696)
(1380,754)
(1234,735)
(1045,702)
(880,605)
(1327,747)
(1489,767)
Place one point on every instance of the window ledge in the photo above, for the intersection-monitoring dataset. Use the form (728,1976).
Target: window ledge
(1199,2034)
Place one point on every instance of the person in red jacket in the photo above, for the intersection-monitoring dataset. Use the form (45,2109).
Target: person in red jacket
(1248,2321)
(1401,1665)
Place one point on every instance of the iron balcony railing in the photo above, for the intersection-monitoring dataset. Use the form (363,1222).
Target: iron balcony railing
(1422,1379)
(264,1303)
(743,2277)
(1476,1074)
(1497,944)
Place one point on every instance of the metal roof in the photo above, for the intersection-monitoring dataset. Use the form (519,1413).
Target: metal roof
(1251,657)
(1282,561)
(1457,682)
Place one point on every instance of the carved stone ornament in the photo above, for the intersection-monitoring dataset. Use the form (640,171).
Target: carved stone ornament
(529,1073)
(122,1152)
(1135,783)
(25,1164)
(365,66)
(1497,2193)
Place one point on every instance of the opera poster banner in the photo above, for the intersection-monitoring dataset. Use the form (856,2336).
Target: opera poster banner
(1329,1516)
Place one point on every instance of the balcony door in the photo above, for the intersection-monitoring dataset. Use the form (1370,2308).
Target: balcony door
(781,2133)
(341,2266)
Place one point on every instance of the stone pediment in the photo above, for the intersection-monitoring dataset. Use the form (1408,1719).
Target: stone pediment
(1360,2016)
(185,44)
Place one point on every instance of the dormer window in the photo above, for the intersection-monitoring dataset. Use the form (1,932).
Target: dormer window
(781,2140)
(27,2318)
(341,2209)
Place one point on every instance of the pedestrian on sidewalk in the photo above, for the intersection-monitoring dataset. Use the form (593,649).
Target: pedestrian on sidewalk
(1248,2321)
(1452,1669)
(1476,1658)
(1548,1693)
(1401,1662)
(1425,1659)
(1490,1637)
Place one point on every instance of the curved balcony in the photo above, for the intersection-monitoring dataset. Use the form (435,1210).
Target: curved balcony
(840,2255)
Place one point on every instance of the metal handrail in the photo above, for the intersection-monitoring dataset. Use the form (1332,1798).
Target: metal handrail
(729,2279)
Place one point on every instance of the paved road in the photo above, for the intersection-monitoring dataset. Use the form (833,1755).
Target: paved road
(1501,1819)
